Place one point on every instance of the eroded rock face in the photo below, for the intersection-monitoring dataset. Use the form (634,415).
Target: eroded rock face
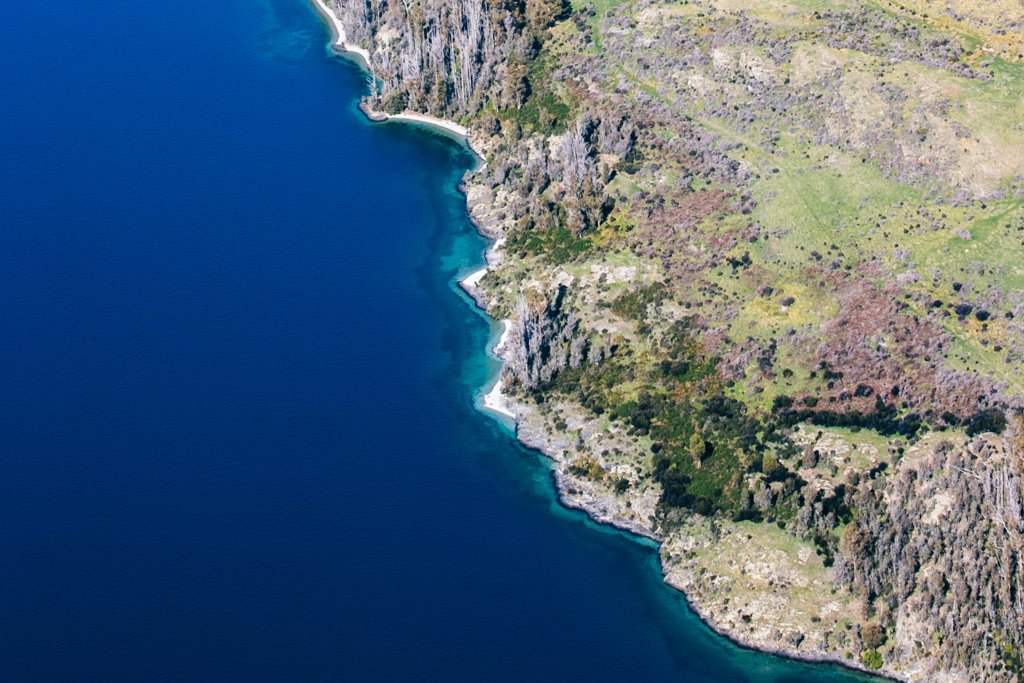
(445,58)
(546,337)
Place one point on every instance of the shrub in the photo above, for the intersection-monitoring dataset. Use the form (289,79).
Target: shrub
(871,659)
(988,420)
(396,103)
(873,635)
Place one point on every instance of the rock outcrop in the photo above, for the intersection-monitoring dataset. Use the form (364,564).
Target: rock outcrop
(545,338)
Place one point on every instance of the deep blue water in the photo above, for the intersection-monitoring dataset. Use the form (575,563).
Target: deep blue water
(236,385)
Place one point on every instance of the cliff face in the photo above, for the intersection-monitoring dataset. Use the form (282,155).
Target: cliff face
(545,339)
(448,58)
(759,259)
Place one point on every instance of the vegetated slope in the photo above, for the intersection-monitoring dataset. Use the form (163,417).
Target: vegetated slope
(763,260)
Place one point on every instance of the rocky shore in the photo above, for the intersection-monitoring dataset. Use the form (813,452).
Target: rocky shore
(769,554)
(634,511)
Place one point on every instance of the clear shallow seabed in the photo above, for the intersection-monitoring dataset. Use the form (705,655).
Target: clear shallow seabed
(236,386)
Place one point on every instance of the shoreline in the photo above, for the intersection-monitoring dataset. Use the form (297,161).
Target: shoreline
(339,38)
(781,652)
(432,122)
(360,55)
(340,44)
(495,399)
(506,409)
(492,397)
(444,127)
(540,441)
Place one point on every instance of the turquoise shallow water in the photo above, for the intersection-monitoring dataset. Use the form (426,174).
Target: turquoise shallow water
(239,439)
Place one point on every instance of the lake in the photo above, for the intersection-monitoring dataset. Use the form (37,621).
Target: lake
(237,384)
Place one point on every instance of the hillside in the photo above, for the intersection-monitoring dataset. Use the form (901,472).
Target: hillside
(764,265)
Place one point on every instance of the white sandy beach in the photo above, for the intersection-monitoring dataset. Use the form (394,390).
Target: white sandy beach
(341,41)
(473,279)
(340,37)
(496,401)
(442,125)
(433,121)
(506,330)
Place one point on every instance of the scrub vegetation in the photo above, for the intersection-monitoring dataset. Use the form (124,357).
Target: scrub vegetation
(764,263)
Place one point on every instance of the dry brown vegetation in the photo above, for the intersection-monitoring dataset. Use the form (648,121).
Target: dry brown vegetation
(732,221)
